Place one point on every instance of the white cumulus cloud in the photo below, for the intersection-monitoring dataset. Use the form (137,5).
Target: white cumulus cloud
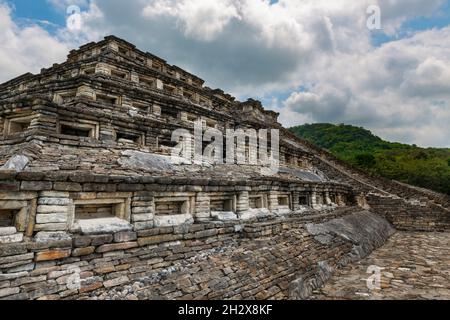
(200,19)
(26,49)
(317,53)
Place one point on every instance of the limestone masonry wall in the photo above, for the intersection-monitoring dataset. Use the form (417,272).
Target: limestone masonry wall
(412,216)
(210,260)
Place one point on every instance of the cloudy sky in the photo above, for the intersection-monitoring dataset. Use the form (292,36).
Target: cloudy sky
(311,60)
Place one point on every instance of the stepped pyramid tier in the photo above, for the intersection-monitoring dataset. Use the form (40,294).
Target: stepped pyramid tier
(86,161)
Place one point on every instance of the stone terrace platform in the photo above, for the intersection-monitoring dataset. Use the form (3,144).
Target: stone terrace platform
(416,266)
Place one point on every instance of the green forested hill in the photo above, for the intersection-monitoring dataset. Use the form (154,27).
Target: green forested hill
(427,168)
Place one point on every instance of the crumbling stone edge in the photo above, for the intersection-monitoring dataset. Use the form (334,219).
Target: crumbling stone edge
(366,231)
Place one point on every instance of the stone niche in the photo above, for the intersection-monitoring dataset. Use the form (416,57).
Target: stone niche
(147,82)
(280,202)
(119,74)
(361,201)
(208,123)
(156,110)
(191,96)
(173,209)
(304,163)
(103,68)
(252,205)
(141,106)
(80,128)
(258,205)
(304,200)
(223,206)
(301,201)
(189,117)
(333,198)
(17,125)
(129,138)
(107,99)
(99,213)
(258,201)
(64,96)
(170,89)
(284,202)
(17,213)
(88,70)
(341,199)
(320,199)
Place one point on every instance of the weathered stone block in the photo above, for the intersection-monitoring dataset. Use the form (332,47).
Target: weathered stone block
(98,240)
(23,267)
(84,195)
(88,287)
(9,185)
(104,226)
(78,252)
(17,258)
(14,238)
(206,233)
(67,186)
(116,282)
(143,225)
(52,255)
(13,249)
(16,163)
(142,217)
(99,187)
(27,280)
(158,239)
(51,218)
(17,195)
(109,195)
(130,187)
(53,194)
(49,237)
(8,291)
(54,201)
(7,231)
(51,227)
(105,269)
(36,185)
(51,209)
(142,210)
(173,220)
(82,241)
(125,236)
(12,276)
(116,246)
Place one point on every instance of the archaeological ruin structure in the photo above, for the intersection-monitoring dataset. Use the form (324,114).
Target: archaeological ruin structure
(91,199)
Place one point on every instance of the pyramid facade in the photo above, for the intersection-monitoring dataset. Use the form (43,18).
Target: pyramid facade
(88,172)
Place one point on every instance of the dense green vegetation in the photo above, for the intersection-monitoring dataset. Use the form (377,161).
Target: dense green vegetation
(427,168)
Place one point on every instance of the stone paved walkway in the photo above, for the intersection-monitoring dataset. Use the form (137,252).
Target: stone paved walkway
(414,266)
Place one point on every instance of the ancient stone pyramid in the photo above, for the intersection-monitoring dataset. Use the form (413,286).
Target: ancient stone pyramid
(86,172)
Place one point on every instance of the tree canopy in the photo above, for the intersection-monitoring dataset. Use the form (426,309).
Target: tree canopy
(422,167)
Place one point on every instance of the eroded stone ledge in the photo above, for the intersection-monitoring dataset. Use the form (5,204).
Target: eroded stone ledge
(109,260)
